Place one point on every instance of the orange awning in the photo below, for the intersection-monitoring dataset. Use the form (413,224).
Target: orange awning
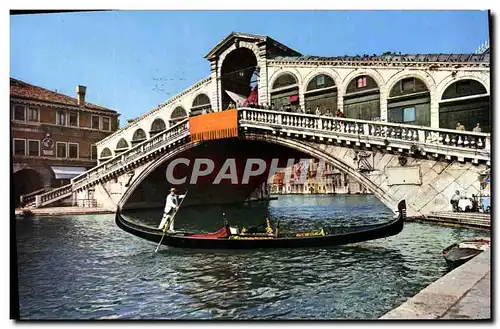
(217,125)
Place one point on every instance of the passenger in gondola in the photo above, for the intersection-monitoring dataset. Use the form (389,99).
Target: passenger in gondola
(264,228)
(171,204)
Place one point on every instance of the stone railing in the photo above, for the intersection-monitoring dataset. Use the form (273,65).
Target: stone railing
(163,138)
(29,198)
(53,195)
(436,141)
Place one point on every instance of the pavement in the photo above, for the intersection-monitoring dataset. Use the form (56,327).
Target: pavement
(58,211)
(464,293)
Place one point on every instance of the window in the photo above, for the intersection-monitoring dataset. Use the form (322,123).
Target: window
(19,146)
(61,118)
(33,114)
(95,122)
(93,152)
(73,150)
(320,80)
(33,148)
(19,112)
(463,87)
(105,124)
(408,84)
(409,114)
(361,82)
(61,150)
(73,119)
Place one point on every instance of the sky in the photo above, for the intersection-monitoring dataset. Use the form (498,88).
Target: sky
(131,61)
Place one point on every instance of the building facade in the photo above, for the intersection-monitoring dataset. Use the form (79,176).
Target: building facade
(309,176)
(53,136)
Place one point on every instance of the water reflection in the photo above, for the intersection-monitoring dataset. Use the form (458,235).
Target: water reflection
(84,267)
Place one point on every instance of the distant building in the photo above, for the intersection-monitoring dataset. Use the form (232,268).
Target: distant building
(53,136)
(307,177)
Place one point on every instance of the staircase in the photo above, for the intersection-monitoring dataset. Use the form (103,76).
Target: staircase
(473,219)
(125,161)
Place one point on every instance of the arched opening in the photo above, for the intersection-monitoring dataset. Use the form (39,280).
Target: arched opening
(465,101)
(157,126)
(362,99)
(321,93)
(139,136)
(178,114)
(409,102)
(239,72)
(201,105)
(285,93)
(25,181)
(121,146)
(105,154)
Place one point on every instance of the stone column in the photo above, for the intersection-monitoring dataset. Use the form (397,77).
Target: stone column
(263,83)
(384,94)
(215,86)
(434,109)
(340,98)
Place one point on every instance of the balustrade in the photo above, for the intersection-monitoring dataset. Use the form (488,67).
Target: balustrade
(384,130)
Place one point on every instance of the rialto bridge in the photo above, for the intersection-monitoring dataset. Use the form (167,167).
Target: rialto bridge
(400,112)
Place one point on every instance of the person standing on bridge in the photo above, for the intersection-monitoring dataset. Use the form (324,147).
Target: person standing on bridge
(460,126)
(477,128)
(170,206)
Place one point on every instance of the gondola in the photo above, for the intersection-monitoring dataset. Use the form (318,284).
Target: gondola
(459,253)
(229,238)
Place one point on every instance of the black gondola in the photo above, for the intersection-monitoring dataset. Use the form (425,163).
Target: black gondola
(459,253)
(225,239)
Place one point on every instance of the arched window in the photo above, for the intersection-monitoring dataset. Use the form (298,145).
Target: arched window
(465,101)
(106,153)
(178,114)
(201,105)
(285,93)
(122,144)
(464,88)
(319,82)
(409,102)
(362,99)
(157,126)
(321,93)
(284,80)
(139,136)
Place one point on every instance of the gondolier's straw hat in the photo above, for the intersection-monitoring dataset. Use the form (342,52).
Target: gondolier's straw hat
(173,189)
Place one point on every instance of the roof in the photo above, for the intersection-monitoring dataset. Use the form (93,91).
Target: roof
(393,57)
(25,90)
(256,37)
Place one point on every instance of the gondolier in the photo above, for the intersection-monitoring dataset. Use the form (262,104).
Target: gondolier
(171,204)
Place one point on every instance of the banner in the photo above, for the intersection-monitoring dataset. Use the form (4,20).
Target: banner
(217,125)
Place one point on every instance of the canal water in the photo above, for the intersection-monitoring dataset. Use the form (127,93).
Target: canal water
(84,267)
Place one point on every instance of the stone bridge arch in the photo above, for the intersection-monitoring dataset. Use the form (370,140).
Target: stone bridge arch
(340,160)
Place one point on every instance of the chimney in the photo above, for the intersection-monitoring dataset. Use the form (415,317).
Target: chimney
(80,90)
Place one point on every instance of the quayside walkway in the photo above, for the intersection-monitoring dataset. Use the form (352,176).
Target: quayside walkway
(464,293)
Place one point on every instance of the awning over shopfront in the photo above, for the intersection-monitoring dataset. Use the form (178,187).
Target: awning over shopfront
(67,172)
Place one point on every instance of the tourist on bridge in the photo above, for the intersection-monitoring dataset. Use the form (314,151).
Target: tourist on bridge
(460,126)
(170,206)
(340,114)
(318,111)
(477,128)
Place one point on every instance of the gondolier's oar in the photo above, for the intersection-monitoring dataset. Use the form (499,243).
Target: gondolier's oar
(171,220)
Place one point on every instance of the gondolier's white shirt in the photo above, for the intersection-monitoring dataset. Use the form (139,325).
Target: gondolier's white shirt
(172,202)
